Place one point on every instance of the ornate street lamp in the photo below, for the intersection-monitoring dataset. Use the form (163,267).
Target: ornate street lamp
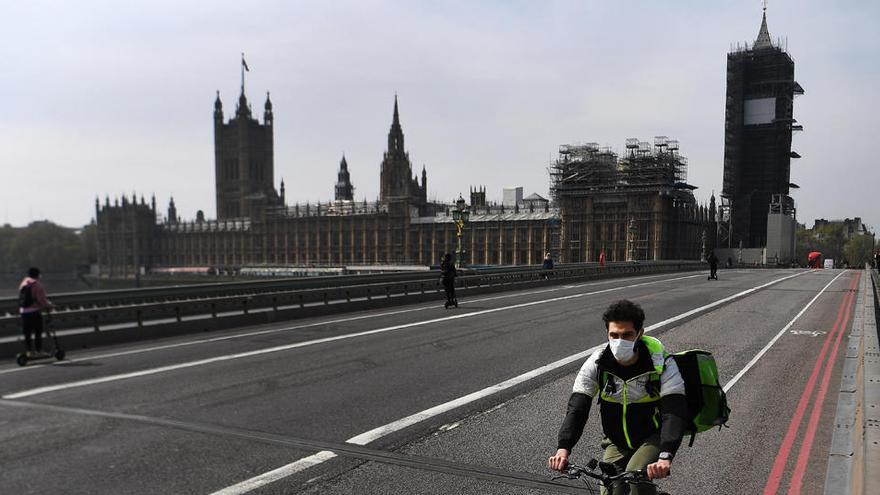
(632,237)
(460,215)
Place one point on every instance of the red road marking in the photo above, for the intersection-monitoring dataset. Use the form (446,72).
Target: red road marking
(800,466)
(775,477)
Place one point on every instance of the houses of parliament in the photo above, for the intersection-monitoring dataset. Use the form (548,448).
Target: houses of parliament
(631,207)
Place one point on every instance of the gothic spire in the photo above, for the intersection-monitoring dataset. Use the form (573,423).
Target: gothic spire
(172,212)
(344,188)
(218,111)
(395,135)
(763,40)
(267,111)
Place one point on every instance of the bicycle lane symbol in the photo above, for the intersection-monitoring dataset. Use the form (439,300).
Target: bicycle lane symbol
(810,333)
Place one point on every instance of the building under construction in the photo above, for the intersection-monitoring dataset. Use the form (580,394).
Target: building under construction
(635,207)
(757,141)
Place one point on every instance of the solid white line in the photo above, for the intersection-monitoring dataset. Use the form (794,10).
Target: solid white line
(767,347)
(297,345)
(277,474)
(314,324)
(376,433)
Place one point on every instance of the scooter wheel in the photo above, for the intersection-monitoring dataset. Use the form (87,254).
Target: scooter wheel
(21,359)
(59,354)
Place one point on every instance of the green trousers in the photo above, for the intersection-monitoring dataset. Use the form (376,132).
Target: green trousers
(625,459)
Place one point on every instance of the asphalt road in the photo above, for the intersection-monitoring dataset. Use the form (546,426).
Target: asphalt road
(424,396)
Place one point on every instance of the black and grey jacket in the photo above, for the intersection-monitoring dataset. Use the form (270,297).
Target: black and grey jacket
(635,401)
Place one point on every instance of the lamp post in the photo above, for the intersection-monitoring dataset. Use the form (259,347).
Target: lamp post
(631,238)
(460,215)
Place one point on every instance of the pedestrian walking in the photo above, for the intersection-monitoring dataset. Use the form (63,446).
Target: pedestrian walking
(547,265)
(31,302)
(447,277)
(602,258)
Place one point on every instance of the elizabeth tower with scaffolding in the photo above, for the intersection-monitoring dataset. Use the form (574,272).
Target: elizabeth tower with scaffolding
(757,140)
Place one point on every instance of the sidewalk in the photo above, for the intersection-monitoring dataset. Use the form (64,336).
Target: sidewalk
(854,458)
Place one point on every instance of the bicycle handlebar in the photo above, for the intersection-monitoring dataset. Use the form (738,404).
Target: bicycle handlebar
(639,477)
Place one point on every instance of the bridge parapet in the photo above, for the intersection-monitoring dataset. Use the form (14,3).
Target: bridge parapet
(123,315)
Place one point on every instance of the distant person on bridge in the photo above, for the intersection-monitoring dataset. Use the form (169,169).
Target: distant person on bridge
(641,400)
(31,302)
(713,266)
(602,258)
(447,277)
(548,265)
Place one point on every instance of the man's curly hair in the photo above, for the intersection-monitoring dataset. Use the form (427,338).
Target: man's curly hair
(625,310)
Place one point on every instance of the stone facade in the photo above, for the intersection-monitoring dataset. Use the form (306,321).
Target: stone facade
(243,160)
(255,226)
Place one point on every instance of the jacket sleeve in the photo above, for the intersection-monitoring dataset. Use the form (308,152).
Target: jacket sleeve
(673,408)
(40,296)
(673,422)
(575,419)
(585,388)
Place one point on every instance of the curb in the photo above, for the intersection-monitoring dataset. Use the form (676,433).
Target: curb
(871,440)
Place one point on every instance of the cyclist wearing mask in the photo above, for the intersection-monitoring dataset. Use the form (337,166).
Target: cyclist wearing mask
(641,400)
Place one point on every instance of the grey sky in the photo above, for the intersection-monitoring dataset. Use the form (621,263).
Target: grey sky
(112,97)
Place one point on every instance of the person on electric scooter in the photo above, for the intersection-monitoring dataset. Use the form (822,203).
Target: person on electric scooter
(641,400)
(31,302)
(713,266)
(447,276)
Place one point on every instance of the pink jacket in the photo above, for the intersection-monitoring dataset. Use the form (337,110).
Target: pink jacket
(39,294)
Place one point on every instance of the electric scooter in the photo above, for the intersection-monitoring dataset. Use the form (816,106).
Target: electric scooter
(55,351)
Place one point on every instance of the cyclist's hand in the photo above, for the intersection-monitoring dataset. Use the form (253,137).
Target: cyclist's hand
(658,470)
(559,461)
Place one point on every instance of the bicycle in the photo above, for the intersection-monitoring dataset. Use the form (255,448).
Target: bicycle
(607,476)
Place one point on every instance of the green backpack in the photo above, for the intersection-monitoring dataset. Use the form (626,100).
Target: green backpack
(707,402)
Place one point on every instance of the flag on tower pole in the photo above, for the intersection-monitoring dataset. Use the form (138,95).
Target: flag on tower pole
(244,64)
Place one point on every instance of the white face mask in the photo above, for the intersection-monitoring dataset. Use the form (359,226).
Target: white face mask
(623,349)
